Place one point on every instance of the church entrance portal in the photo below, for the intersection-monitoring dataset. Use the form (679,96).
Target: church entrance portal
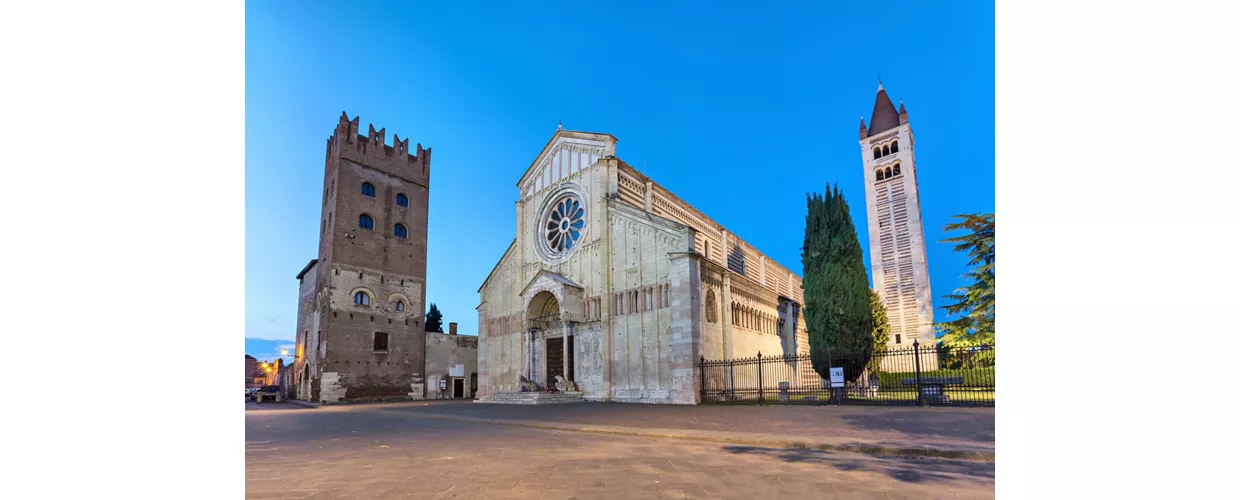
(556,358)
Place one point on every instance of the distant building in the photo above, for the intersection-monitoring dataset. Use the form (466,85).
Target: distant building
(452,359)
(251,368)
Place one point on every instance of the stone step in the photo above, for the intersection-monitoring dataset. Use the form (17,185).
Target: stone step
(531,398)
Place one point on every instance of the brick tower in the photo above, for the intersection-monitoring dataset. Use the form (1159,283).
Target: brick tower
(897,241)
(360,333)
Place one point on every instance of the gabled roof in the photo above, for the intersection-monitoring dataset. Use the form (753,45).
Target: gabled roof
(885,117)
(568,134)
(554,276)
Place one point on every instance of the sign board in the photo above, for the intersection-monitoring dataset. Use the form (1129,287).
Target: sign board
(837,377)
(443,384)
(456,371)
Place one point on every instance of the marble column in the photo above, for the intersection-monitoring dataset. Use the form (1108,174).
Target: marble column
(566,354)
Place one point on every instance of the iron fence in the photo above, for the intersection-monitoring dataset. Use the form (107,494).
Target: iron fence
(917,375)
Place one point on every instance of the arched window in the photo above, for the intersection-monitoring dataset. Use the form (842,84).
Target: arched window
(402,200)
(878,174)
(710,306)
(895,146)
(400,306)
(366,222)
(887,173)
(368,189)
(886,151)
(895,169)
(877,153)
(400,231)
(361,299)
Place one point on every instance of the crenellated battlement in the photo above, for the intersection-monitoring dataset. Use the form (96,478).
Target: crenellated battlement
(372,148)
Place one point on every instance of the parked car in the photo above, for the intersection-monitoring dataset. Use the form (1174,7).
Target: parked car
(267,392)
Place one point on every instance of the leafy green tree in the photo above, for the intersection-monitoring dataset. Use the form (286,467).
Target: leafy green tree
(434,320)
(837,293)
(882,328)
(975,303)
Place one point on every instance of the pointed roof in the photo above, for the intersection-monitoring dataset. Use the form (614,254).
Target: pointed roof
(554,276)
(560,133)
(885,117)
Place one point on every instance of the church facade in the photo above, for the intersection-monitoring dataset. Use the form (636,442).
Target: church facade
(616,284)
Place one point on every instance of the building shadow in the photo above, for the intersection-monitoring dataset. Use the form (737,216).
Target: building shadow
(977,425)
(909,470)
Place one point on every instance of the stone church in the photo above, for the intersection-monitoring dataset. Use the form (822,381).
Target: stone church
(614,283)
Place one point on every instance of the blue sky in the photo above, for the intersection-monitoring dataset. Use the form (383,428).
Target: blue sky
(739,109)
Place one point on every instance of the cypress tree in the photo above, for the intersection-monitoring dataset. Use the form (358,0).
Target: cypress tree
(434,320)
(837,292)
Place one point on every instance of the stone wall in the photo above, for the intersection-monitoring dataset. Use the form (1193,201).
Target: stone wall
(444,351)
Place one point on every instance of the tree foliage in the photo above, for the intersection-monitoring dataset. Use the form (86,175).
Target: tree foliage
(882,327)
(434,320)
(973,305)
(837,293)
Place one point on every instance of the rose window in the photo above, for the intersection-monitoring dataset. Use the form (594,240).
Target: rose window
(564,224)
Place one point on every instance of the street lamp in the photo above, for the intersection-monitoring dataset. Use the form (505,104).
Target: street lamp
(283,352)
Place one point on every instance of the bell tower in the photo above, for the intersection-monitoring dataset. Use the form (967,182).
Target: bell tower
(897,242)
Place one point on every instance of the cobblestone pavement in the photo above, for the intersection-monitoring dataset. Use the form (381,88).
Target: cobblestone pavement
(957,428)
(293,452)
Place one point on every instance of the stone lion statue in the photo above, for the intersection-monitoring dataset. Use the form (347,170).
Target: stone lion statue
(564,385)
(527,385)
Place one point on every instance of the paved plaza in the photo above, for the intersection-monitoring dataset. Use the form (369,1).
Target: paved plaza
(393,451)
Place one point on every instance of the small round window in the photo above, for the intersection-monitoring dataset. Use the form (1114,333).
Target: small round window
(564,224)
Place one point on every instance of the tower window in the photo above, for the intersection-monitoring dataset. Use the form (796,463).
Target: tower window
(381,342)
(400,305)
(895,169)
(895,146)
(361,299)
(366,222)
(402,200)
(897,338)
(887,173)
(877,153)
(886,151)
(368,189)
(400,231)
(878,174)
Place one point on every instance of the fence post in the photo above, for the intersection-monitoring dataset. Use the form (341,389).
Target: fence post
(731,380)
(830,388)
(761,397)
(921,400)
(702,380)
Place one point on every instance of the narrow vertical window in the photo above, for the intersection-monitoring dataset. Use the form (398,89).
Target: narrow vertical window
(895,169)
(886,151)
(381,342)
(877,153)
(895,146)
